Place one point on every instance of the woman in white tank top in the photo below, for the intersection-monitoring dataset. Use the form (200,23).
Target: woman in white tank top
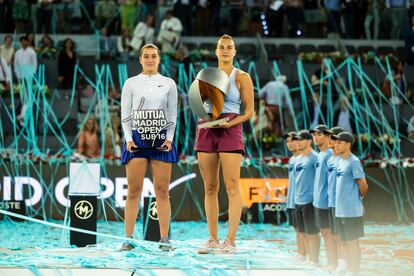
(224,145)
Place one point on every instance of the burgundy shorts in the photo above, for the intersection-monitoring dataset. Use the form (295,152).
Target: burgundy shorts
(220,139)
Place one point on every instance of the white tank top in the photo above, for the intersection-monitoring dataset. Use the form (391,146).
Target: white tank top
(232,100)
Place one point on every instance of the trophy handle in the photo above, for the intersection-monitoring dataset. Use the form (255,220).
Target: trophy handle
(213,123)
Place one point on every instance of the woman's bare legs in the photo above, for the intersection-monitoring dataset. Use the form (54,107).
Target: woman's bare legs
(161,172)
(135,171)
(209,169)
(230,163)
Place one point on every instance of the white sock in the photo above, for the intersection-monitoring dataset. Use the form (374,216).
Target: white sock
(341,264)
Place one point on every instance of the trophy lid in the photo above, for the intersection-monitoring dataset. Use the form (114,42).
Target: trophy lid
(214,77)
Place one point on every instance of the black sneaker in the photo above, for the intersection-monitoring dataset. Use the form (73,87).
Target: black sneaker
(165,244)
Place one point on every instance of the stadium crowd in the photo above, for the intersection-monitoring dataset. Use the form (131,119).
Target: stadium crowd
(370,19)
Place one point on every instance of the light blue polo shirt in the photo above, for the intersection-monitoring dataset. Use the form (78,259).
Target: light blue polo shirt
(291,187)
(305,167)
(332,166)
(320,188)
(348,199)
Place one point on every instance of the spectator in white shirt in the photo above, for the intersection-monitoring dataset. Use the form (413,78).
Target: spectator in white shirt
(124,44)
(6,54)
(25,60)
(7,51)
(143,34)
(5,72)
(170,33)
(277,99)
(25,65)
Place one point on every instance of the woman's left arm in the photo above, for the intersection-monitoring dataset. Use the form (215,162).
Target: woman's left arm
(172,110)
(171,115)
(247,97)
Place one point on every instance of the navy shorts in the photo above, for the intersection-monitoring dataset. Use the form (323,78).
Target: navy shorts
(305,218)
(322,218)
(292,217)
(333,221)
(350,229)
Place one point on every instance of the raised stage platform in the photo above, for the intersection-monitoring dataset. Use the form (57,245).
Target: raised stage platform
(28,248)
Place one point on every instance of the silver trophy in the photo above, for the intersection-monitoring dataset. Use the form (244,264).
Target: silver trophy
(210,84)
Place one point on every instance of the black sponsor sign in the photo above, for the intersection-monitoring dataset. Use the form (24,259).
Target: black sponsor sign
(274,213)
(83,214)
(14,206)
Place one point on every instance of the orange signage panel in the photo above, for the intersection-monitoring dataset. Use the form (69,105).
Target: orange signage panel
(263,190)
